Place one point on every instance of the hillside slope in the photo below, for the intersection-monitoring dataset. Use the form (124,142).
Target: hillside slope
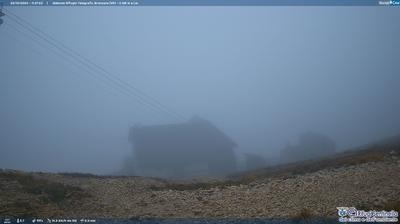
(367,178)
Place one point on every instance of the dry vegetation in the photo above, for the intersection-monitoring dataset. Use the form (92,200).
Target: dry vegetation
(301,191)
(25,195)
(370,153)
(49,191)
(349,158)
(304,214)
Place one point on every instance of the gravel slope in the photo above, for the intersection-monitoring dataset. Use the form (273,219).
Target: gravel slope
(372,183)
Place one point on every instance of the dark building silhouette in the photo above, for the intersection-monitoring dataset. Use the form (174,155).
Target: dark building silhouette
(311,146)
(254,161)
(174,148)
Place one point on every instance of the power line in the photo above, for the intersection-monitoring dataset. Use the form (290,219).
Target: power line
(92,66)
(106,76)
(128,85)
(91,73)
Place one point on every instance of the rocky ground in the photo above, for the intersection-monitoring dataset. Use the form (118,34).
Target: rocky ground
(366,179)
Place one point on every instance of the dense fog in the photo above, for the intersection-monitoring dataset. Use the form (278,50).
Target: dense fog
(263,77)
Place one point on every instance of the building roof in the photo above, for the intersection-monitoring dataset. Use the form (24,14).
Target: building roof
(196,131)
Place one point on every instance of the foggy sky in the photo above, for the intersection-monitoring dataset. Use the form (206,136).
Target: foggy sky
(263,75)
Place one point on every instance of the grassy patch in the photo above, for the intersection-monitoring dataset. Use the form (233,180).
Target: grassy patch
(303,214)
(193,186)
(52,191)
(80,175)
(373,153)
(22,209)
(391,205)
(387,206)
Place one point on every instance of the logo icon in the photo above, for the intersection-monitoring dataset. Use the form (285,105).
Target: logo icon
(342,211)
